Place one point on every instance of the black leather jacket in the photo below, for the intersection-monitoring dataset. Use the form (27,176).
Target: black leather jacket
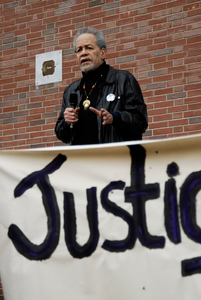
(128,103)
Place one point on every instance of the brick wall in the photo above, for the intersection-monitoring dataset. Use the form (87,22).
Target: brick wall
(159,41)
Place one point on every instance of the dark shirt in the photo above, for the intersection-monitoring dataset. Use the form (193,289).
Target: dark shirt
(86,127)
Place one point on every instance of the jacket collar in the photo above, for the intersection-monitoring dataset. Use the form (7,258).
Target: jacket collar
(110,75)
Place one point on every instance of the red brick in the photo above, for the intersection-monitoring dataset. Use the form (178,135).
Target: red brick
(33,141)
(192,99)
(177,108)
(38,28)
(49,139)
(178,122)
(190,7)
(163,65)
(9,109)
(192,127)
(178,129)
(166,91)
(9,132)
(162,131)
(175,82)
(166,78)
(36,134)
(194,12)
(178,115)
(33,117)
(135,32)
(160,104)
(157,112)
(37,111)
(157,21)
(162,117)
(158,125)
(9,144)
(193,113)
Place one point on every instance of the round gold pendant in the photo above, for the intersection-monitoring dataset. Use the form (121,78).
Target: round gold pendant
(86,104)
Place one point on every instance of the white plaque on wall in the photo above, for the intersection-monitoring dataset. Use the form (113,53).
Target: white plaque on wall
(48,67)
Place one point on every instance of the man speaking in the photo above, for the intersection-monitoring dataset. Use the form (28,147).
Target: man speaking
(105,105)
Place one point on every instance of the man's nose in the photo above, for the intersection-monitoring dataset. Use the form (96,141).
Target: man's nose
(84,51)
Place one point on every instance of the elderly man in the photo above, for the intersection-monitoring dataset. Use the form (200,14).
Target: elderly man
(105,105)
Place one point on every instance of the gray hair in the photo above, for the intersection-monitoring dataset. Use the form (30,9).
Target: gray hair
(100,38)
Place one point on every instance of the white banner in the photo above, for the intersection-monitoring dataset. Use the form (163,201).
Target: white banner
(118,221)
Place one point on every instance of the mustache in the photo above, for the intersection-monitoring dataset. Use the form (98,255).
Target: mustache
(85,59)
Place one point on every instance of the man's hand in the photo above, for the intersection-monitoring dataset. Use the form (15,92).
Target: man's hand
(103,114)
(71,115)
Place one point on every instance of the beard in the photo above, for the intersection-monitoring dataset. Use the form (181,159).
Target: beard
(88,68)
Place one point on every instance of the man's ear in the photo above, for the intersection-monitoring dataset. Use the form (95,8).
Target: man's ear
(103,53)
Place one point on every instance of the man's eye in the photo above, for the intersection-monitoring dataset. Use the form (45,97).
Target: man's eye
(89,48)
(78,50)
